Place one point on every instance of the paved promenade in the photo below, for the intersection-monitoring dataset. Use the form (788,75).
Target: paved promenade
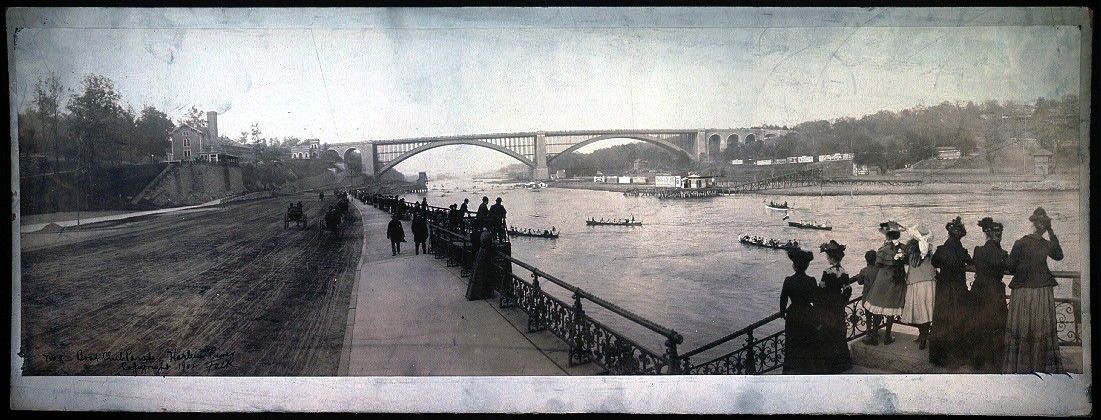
(409,316)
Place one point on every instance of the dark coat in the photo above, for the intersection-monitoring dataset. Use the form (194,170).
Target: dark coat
(420,229)
(799,323)
(394,231)
(988,307)
(832,339)
(1028,261)
(889,288)
(949,344)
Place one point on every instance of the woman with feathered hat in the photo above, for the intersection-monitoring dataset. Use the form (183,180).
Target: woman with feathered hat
(833,343)
(988,309)
(799,317)
(888,292)
(1031,344)
(947,346)
(920,284)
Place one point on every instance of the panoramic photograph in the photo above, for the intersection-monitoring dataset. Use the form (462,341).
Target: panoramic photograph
(549,192)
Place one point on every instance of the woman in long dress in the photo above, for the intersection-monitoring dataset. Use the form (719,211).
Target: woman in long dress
(888,291)
(483,275)
(947,344)
(1031,344)
(834,295)
(799,318)
(988,309)
(920,287)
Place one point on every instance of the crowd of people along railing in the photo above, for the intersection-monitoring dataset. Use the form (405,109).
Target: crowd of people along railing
(754,354)
(589,340)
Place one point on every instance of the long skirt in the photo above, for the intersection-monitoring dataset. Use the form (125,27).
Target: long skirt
(482,277)
(918,308)
(832,343)
(1031,343)
(988,320)
(947,343)
(799,340)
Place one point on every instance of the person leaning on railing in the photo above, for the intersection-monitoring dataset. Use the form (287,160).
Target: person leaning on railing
(1031,343)
(482,276)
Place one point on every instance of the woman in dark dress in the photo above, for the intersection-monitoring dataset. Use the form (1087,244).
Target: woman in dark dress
(988,309)
(947,341)
(833,343)
(1031,343)
(482,277)
(799,318)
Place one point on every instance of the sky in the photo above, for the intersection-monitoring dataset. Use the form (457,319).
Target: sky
(388,73)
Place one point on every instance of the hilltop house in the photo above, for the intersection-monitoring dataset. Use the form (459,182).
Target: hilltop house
(307,149)
(188,143)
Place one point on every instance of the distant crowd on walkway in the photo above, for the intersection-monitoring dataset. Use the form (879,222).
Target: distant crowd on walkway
(456,217)
(913,284)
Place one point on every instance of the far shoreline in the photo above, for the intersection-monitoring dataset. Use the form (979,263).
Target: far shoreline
(936,188)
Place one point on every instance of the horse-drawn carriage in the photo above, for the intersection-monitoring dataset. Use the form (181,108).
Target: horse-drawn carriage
(336,217)
(296,215)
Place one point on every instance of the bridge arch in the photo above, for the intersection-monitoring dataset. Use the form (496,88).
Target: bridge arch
(665,144)
(391,164)
(352,157)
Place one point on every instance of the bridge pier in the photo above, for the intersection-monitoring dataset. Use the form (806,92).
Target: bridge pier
(541,172)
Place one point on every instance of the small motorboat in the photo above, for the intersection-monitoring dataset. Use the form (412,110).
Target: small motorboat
(623,222)
(810,225)
(764,243)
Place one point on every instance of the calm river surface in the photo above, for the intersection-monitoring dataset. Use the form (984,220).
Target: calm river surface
(684,267)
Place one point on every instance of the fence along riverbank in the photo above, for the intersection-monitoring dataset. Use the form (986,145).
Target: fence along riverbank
(744,351)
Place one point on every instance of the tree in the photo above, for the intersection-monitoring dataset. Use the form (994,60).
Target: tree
(151,132)
(47,100)
(195,118)
(96,114)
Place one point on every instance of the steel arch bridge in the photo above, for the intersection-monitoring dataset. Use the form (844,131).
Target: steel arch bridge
(538,149)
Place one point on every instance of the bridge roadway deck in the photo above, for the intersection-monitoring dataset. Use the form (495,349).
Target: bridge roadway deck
(409,316)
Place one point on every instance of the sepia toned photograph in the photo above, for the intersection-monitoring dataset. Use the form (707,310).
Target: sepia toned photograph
(642,210)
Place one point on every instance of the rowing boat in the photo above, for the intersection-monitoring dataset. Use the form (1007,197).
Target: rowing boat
(532,235)
(807,225)
(600,223)
(765,245)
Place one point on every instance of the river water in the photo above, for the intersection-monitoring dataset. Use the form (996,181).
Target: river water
(684,267)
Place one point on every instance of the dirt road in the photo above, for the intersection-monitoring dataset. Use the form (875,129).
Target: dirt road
(227,291)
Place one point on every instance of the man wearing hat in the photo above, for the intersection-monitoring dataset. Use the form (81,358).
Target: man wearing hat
(1031,344)
(888,291)
(988,309)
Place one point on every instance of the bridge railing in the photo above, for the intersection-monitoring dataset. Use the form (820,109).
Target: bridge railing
(589,340)
(759,347)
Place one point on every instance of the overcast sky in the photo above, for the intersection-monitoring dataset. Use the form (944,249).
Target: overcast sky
(443,75)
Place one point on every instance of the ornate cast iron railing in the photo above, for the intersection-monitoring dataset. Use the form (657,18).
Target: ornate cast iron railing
(589,340)
(763,355)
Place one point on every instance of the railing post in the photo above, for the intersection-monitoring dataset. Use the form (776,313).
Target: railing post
(578,350)
(672,356)
(751,356)
(535,320)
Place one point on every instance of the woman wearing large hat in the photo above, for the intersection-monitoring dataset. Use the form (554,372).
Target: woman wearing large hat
(988,310)
(800,322)
(1031,344)
(888,292)
(947,344)
(920,285)
(833,343)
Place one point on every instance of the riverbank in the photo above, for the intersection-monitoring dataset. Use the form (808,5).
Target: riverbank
(857,189)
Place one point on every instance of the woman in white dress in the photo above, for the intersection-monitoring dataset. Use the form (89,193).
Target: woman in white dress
(920,284)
